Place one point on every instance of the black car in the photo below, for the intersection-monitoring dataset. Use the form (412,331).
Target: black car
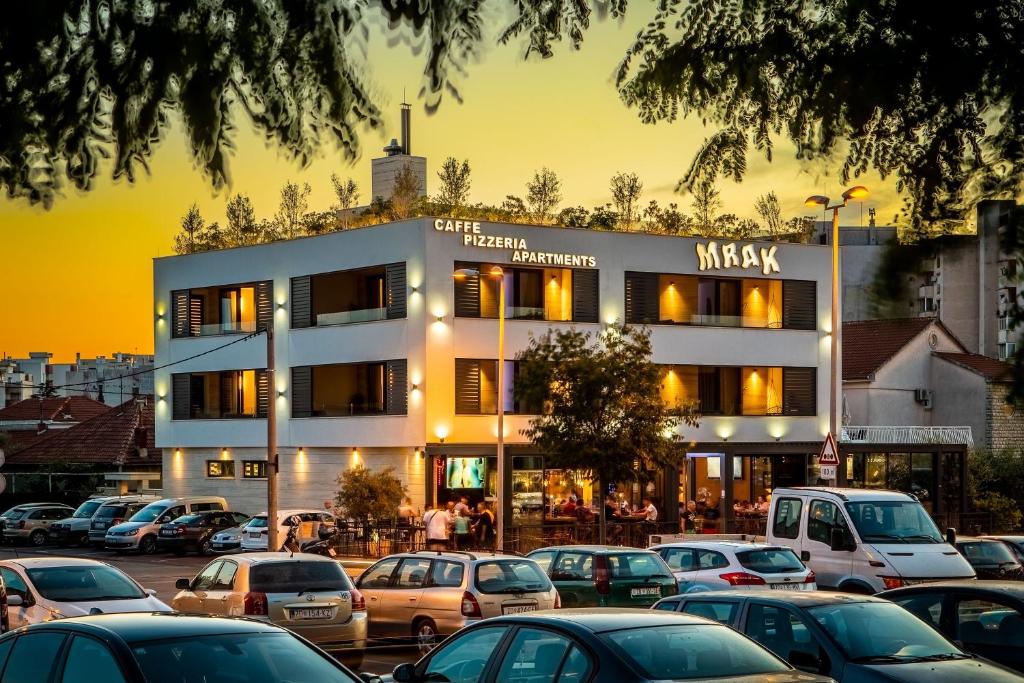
(991,559)
(986,617)
(599,645)
(163,648)
(1014,543)
(195,531)
(852,638)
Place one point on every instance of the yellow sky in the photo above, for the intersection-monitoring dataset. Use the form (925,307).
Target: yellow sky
(78,277)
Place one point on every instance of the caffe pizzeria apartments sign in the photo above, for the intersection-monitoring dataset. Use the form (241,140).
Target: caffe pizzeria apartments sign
(473,236)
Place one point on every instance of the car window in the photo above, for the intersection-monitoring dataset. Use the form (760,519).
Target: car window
(867,630)
(90,660)
(445,574)
(503,576)
(667,605)
(174,512)
(927,607)
(534,656)
(573,567)
(983,622)
(575,667)
(679,559)
(208,576)
(464,659)
(779,630)
(822,517)
(379,575)
(723,612)
(226,577)
(82,583)
(771,561)
(14,583)
(295,576)
(239,518)
(709,559)
(787,518)
(636,565)
(412,573)
(544,559)
(33,658)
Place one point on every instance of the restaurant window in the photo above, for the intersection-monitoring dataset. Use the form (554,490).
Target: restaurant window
(476,388)
(254,469)
(527,488)
(715,390)
(349,296)
(553,294)
(219,395)
(908,472)
(225,309)
(220,469)
(350,389)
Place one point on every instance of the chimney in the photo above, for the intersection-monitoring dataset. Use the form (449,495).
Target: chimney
(406,129)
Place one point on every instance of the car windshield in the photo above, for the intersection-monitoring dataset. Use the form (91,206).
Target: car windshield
(251,657)
(87,509)
(110,511)
(881,632)
(511,576)
(771,561)
(84,583)
(257,523)
(982,553)
(690,651)
(149,513)
(295,576)
(190,519)
(893,521)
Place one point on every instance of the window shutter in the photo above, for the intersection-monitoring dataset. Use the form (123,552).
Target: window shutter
(264,304)
(467,293)
(302,391)
(195,314)
(396,286)
(179,313)
(467,386)
(302,302)
(262,392)
(585,296)
(230,392)
(397,400)
(799,391)
(181,396)
(799,304)
(641,298)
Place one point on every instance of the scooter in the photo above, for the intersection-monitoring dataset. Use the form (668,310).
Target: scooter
(318,547)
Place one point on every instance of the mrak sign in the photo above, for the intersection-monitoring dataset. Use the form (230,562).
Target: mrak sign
(745,257)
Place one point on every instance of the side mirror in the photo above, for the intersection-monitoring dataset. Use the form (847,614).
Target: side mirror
(151,592)
(839,542)
(804,661)
(404,673)
(14,601)
(180,584)
(951,536)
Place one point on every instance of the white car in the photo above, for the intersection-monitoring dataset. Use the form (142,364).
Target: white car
(728,565)
(44,589)
(254,536)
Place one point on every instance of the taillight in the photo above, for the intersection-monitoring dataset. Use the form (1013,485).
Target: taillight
(811,578)
(742,579)
(255,604)
(558,601)
(891,581)
(601,582)
(358,601)
(470,607)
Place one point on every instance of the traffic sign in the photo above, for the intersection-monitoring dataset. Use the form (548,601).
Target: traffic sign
(829,454)
(827,471)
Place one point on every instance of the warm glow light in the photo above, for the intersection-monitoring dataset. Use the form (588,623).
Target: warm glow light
(177,453)
(856,192)
(224,454)
(355,457)
(725,430)
(816,200)
(441,432)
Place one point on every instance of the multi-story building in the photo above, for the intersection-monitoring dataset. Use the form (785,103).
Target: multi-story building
(397,157)
(112,379)
(384,359)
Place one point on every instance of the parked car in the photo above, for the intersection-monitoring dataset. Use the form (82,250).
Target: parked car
(863,540)
(1014,543)
(606,576)
(990,558)
(195,531)
(17,511)
(428,595)
(256,531)
(307,594)
(141,530)
(113,513)
(722,565)
(986,618)
(74,530)
(599,646)
(162,648)
(31,523)
(45,588)
(852,638)
(228,540)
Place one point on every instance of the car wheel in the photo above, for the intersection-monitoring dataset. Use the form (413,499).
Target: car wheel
(147,546)
(83,541)
(425,633)
(206,547)
(855,588)
(37,538)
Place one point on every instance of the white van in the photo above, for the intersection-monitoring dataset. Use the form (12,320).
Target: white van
(140,531)
(864,541)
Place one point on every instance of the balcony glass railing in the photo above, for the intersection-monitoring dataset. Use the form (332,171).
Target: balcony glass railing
(362,315)
(726,321)
(235,327)
(524,313)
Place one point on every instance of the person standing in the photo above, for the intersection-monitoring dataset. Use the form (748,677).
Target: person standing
(436,522)
(461,530)
(484,527)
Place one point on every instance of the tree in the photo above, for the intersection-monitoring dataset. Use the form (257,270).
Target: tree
(573,217)
(454,177)
(405,192)
(674,222)
(767,207)
(603,218)
(626,189)
(242,230)
(191,225)
(319,222)
(347,193)
(706,203)
(369,494)
(294,205)
(515,208)
(543,193)
(604,412)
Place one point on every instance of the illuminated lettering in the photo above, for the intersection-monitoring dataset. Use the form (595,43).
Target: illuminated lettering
(749,256)
(768,262)
(763,257)
(708,256)
(729,257)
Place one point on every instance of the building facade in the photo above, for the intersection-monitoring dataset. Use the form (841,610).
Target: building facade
(384,359)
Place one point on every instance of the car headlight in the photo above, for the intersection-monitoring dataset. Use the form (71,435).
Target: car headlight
(132,532)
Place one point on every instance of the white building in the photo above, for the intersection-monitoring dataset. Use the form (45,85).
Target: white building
(384,359)
(113,379)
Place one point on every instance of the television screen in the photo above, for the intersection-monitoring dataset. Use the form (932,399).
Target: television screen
(467,473)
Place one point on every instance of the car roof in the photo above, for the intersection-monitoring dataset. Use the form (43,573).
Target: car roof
(28,506)
(47,562)
(1006,537)
(720,545)
(975,539)
(604,619)
(796,598)
(593,549)
(260,558)
(467,555)
(134,627)
(846,493)
(1014,589)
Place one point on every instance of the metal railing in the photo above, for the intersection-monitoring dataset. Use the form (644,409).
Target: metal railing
(908,435)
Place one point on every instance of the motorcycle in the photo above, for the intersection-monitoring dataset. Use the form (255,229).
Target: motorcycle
(322,546)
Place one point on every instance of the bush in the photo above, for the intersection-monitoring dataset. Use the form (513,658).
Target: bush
(1006,514)
(365,493)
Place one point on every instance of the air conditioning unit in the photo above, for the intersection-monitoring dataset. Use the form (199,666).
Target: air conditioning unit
(924,397)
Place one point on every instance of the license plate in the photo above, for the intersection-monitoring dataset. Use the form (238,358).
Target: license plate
(784,586)
(53,533)
(255,535)
(313,613)
(166,532)
(644,592)
(518,609)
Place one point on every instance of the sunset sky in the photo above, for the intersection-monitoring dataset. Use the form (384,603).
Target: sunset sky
(78,277)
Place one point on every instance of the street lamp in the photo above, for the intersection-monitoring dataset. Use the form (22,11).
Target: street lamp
(499,274)
(855,192)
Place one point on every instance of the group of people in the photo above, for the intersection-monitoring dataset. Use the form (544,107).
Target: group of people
(701,517)
(757,508)
(458,526)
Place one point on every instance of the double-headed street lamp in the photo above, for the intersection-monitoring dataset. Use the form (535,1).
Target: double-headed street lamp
(497,273)
(855,192)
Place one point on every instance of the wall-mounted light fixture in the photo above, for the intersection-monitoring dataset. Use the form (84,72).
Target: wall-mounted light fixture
(161,397)
(301,452)
(160,316)
(414,289)
(224,452)
(415,386)
(440,318)
(177,452)
(280,306)
(281,393)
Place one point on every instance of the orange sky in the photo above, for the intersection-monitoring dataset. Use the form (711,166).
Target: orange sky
(78,277)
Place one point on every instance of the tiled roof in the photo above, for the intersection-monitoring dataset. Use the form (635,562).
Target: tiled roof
(989,368)
(869,344)
(56,409)
(111,438)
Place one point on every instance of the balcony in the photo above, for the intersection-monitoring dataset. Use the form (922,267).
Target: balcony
(364,315)
(214,329)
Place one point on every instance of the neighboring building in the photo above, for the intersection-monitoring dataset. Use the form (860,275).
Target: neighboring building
(384,359)
(26,421)
(398,155)
(113,379)
(17,385)
(861,250)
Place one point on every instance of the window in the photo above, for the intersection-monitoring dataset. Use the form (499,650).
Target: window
(555,294)
(987,623)
(220,469)
(350,389)
(543,559)
(225,580)
(667,605)
(535,656)
(573,567)
(220,395)
(927,607)
(574,667)
(349,296)
(504,576)
(208,577)
(739,390)
(787,518)
(465,659)
(33,658)
(446,574)
(771,561)
(679,559)
(412,573)
(476,388)
(228,309)
(14,583)
(254,469)
(780,631)
(722,612)
(379,575)
(822,518)
(90,660)
(709,559)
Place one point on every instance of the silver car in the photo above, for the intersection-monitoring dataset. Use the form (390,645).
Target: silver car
(30,523)
(428,595)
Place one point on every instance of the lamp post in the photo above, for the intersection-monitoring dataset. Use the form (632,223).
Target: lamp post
(855,192)
(499,274)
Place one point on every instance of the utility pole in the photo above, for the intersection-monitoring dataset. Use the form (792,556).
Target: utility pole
(272,466)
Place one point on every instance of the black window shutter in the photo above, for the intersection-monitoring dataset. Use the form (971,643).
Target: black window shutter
(585,296)
(799,391)
(179,313)
(264,304)
(302,391)
(396,288)
(467,386)
(467,293)
(196,303)
(398,387)
(799,304)
(641,298)
(262,392)
(302,301)
(181,398)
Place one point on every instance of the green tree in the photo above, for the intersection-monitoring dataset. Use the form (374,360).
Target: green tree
(543,193)
(994,483)
(706,202)
(364,494)
(293,207)
(455,183)
(515,208)
(604,412)
(767,207)
(347,194)
(573,217)
(626,189)
(603,218)
(404,193)
(192,224)
(243,229)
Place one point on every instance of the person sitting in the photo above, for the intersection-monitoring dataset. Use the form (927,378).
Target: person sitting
(569,509)
(762,505)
